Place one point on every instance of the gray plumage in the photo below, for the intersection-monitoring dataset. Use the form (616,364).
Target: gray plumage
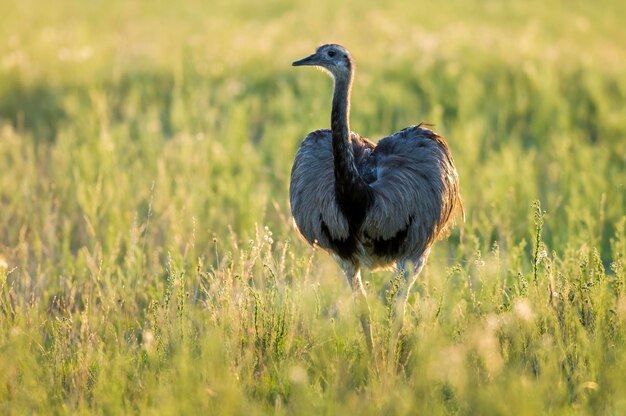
(370,205)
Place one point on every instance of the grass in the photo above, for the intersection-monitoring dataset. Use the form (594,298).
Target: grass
(147,259)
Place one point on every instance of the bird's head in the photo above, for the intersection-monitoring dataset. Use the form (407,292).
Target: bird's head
(334,58)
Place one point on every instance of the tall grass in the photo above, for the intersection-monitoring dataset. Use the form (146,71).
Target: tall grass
(148,263)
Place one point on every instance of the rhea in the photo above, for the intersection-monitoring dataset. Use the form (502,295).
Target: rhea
(370,205)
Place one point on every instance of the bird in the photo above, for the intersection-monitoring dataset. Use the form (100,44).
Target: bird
(371,205)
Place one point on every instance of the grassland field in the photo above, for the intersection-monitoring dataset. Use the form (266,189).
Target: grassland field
(148,263)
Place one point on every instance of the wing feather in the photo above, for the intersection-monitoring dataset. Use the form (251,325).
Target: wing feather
(416,188)
(312,191)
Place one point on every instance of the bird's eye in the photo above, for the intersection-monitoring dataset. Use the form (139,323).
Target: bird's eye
(331,53)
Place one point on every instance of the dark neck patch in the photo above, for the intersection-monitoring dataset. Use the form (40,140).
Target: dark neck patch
(346,249)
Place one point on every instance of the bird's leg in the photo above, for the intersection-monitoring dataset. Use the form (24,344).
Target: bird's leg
(397,339)
(408,280)
(359,296)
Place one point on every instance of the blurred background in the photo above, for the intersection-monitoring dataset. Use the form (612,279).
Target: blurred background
(105,105)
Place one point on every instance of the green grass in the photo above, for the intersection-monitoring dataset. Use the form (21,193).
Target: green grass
(147,260)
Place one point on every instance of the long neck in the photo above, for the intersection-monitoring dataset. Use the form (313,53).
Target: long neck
(339,117)
(349,186)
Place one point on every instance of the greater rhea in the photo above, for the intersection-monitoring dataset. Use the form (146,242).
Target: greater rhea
(370,205)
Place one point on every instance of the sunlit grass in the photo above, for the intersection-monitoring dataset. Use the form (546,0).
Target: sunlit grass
(147,259)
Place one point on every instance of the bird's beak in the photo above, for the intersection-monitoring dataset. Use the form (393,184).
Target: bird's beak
(309,60)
